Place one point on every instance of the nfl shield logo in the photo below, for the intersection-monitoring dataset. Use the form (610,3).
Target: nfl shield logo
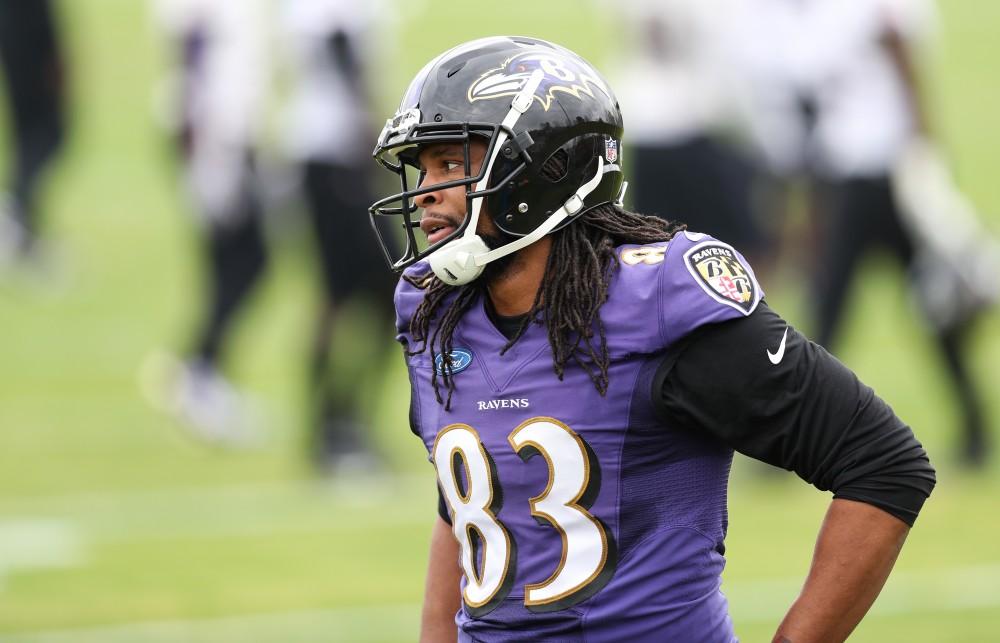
(610,150)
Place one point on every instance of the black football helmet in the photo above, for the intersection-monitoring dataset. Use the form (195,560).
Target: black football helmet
(531,101)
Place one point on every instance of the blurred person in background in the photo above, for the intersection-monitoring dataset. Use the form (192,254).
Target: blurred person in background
(35,84)
(222,77)
(328,130)
(832,96)
(673,84)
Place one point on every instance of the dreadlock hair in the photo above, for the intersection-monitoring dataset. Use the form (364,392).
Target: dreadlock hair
(575,285)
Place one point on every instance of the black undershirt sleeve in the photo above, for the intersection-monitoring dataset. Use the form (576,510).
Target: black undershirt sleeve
(807,413)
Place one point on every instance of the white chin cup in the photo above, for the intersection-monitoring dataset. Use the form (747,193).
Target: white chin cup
(455,262)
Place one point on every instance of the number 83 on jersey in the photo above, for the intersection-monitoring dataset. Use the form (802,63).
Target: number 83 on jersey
(468,478)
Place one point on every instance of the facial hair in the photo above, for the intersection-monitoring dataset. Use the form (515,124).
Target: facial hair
(499,267)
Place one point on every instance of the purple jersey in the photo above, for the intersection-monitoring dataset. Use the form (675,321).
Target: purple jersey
(582,517)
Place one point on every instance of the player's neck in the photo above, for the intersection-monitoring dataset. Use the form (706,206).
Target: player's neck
(513,291)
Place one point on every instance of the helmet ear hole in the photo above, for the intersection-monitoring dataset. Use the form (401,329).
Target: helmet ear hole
(556,166)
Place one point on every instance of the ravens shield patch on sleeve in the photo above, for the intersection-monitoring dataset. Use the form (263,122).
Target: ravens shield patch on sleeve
(724,275)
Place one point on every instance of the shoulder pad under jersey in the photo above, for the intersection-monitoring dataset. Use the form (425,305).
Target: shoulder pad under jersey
(663,291)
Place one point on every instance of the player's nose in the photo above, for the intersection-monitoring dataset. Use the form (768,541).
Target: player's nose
(428,199)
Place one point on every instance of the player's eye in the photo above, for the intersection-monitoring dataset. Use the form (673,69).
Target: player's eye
(452,166)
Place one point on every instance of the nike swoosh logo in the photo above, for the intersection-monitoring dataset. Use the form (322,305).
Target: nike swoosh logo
(777,357)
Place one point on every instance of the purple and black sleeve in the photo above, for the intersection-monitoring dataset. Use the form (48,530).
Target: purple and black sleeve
(808,413)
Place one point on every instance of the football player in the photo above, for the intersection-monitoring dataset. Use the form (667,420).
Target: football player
(220,98)
(581,376)
(32,62)
(328,126)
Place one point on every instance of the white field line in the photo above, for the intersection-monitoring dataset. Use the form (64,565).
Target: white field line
(354,624)
(947,589)
(34,544)
(239,510)
(360,491)
(942,589)
(59,530)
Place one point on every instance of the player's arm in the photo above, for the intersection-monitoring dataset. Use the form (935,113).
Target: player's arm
(856,549)
(441,593)
(807,413)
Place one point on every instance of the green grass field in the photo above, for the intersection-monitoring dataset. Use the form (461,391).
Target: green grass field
(114,527)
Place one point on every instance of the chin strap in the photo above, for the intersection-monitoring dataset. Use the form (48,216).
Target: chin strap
(620,200)
(463,259)
(568,209)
